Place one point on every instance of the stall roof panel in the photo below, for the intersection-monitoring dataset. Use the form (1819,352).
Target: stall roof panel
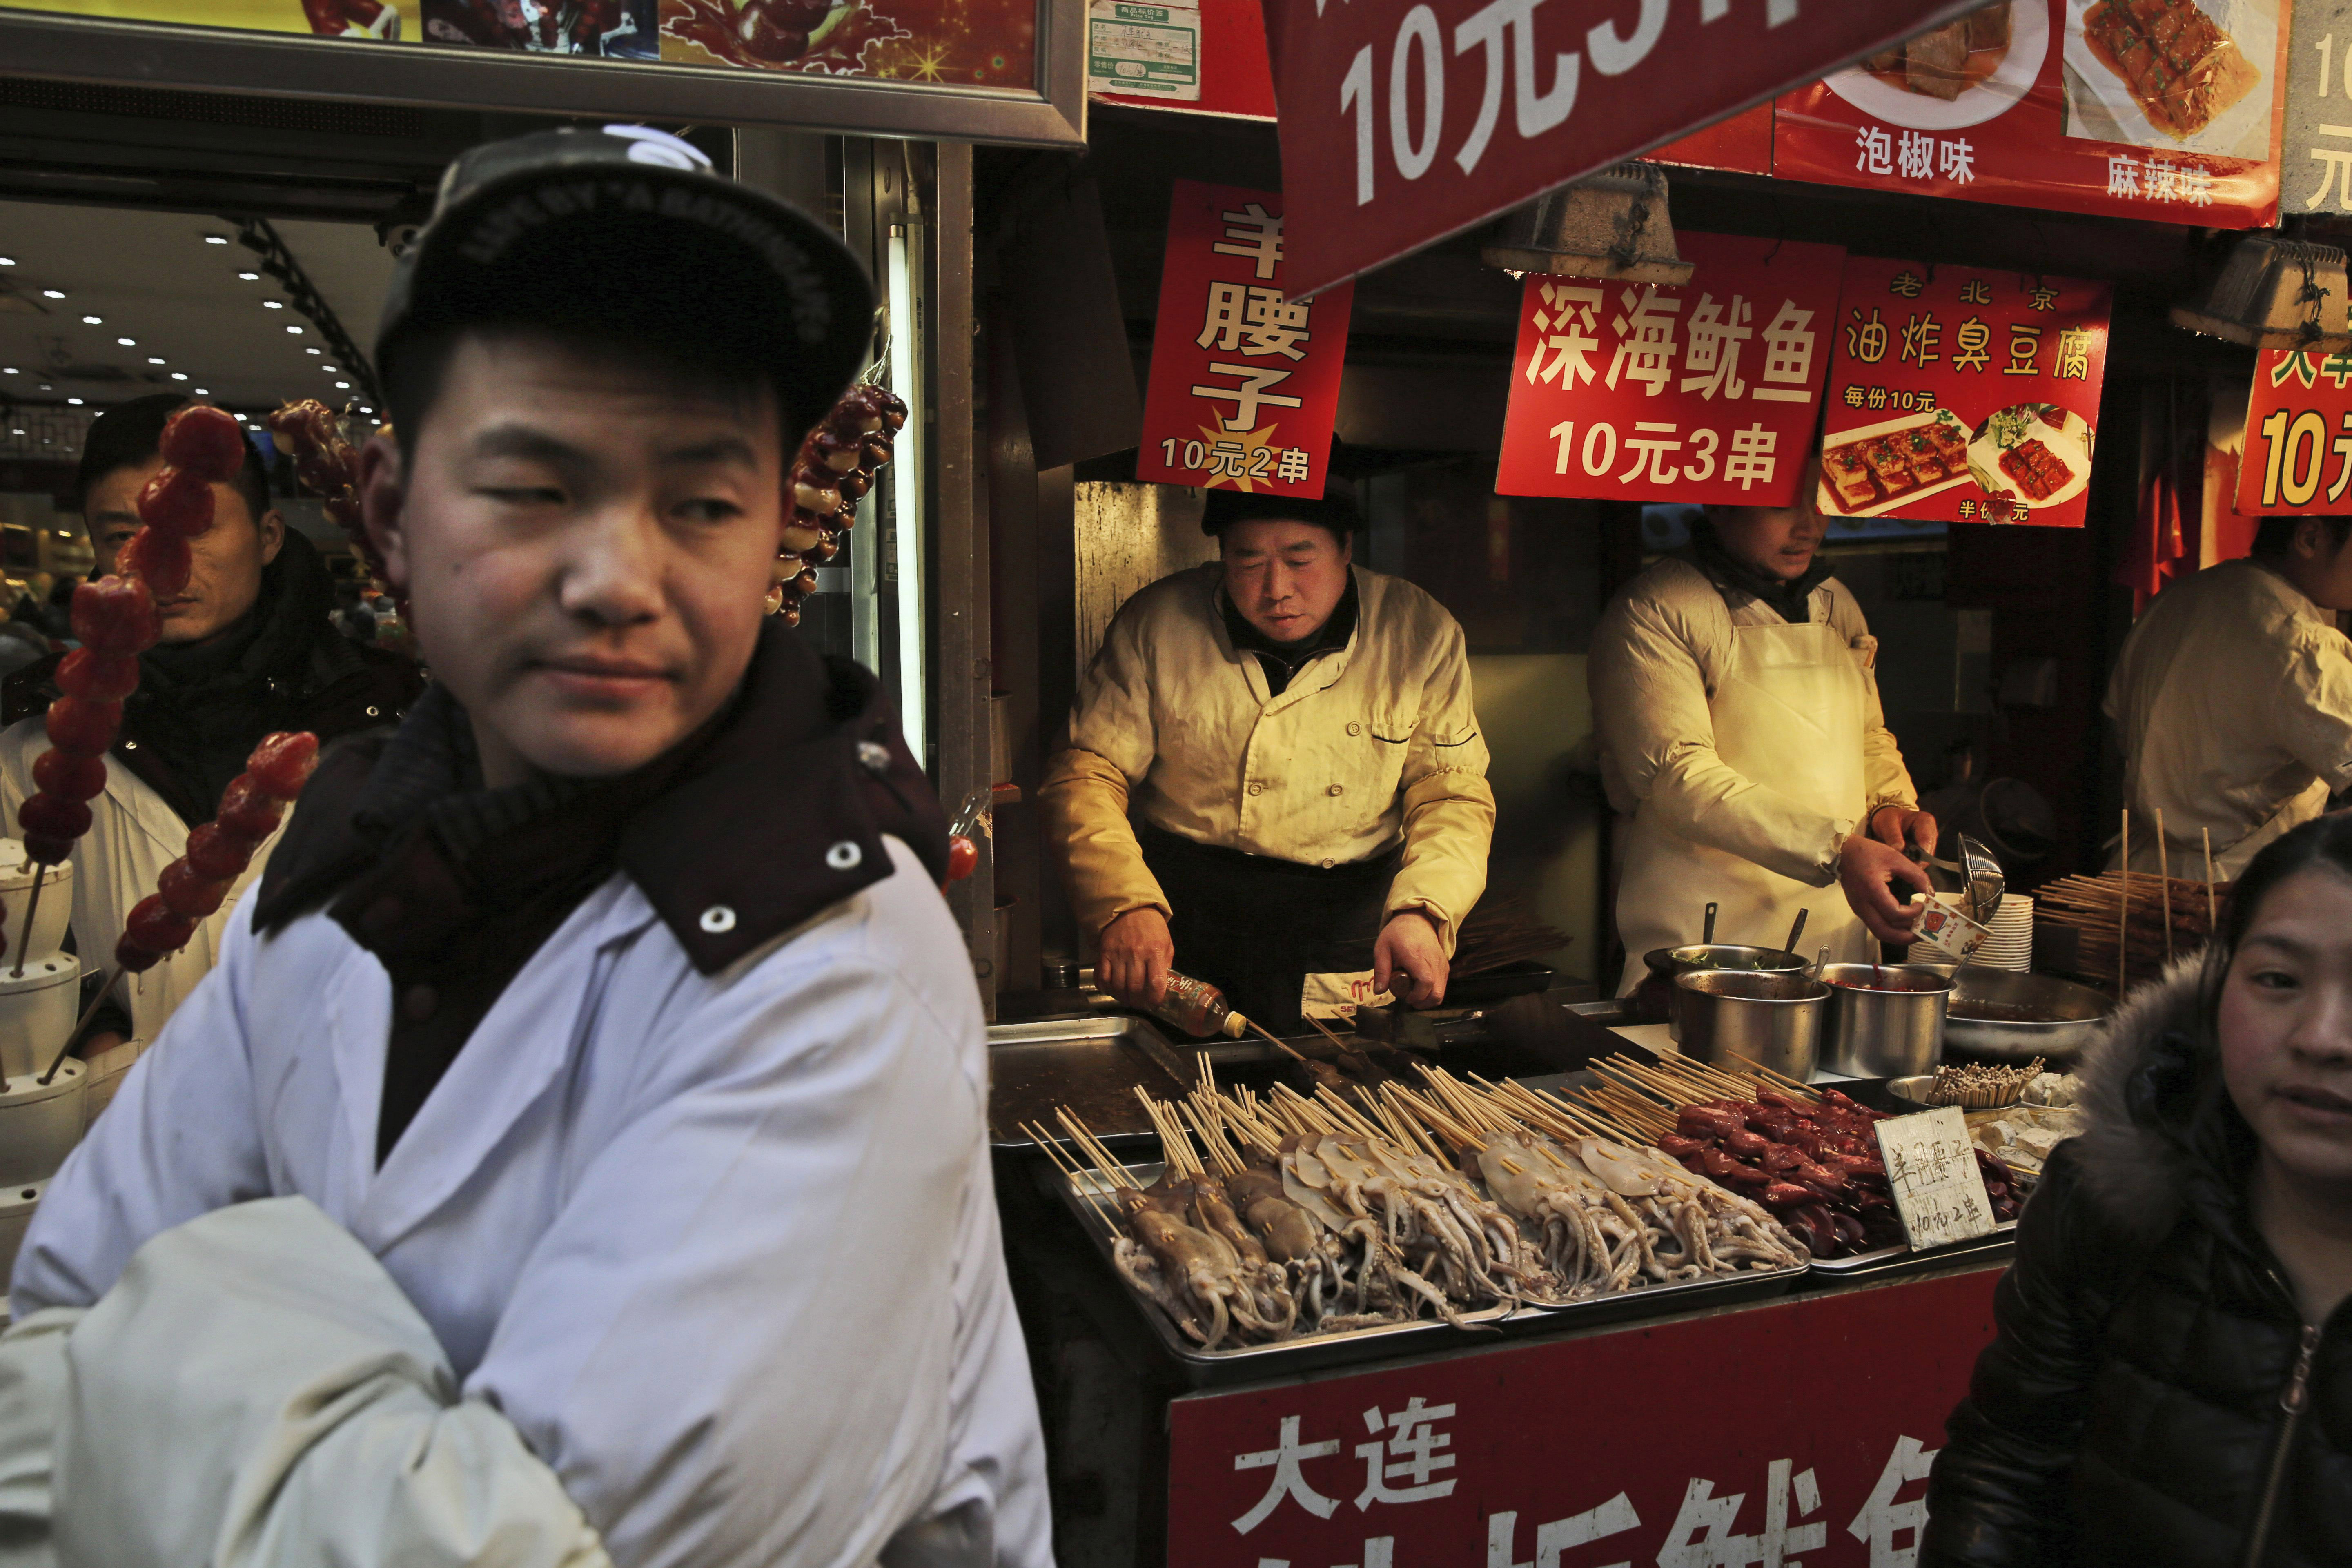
(198,308)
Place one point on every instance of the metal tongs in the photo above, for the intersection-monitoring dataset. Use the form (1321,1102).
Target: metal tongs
(1979,878)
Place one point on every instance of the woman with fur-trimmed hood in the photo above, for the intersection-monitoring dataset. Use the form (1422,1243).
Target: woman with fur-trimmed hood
(2172,1383)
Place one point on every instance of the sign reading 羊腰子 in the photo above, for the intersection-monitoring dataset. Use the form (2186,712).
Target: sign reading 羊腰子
(1932,1169)
(1244,380)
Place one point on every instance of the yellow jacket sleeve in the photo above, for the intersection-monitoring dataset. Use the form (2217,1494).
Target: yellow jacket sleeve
(1084,801)
(1449,807)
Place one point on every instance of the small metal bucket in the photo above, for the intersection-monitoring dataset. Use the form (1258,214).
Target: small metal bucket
(1886,1021)
(1773,1020)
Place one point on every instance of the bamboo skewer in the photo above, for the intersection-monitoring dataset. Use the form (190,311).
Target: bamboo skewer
(2164,879)
(2212,918)
(2123,917)
(80,1024)
(24,933)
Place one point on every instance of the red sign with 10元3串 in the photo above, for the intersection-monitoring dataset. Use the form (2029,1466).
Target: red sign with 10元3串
(1244,381)
(1963,394)
(1707,392)
(1597,1450)
(2298,457)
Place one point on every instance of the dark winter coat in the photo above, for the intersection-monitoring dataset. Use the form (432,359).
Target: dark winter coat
(2153,1396)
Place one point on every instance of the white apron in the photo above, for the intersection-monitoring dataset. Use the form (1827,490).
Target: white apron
(1788,714)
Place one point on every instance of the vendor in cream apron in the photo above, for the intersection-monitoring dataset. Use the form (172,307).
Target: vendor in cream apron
(1275,781)
(1741,730)
(2232,700)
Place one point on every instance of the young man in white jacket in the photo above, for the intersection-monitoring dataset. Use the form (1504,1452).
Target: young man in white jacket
(578,1157)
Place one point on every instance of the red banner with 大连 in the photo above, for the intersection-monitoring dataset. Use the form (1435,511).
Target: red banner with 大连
(1244,380)
(1799,1429)
(1706,391)
(2168,111)
(1403,122)
(1963,394)
(2298,455)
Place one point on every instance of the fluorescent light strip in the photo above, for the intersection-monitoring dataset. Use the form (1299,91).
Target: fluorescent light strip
(907,493)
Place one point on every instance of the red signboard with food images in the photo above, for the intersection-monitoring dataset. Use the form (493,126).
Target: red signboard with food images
(2147,108)
(2298,455)
(1963,394)
(1704,393)
(1405,121)
(1244,380)
(1565,1452)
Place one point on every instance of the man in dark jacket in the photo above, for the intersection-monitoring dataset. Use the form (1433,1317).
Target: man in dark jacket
(2154,1396)
(247,648)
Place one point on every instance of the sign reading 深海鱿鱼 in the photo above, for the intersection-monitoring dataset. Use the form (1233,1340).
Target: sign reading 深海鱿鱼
(1705,392)
(1244,380)
(1962,394)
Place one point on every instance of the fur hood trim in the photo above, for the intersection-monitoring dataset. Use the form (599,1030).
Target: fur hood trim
(2140,1086)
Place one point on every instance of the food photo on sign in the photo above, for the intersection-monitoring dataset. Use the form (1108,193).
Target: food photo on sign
(988,43)
(2145,109)
(1962,394)
(615,29)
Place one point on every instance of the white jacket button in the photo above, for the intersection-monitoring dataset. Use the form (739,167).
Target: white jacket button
(844,856)
(874,756)
(717,920)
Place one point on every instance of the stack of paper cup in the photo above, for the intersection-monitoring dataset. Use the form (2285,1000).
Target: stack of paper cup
(2009,936)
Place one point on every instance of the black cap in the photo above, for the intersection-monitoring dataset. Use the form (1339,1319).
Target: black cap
(630,231)
(1226,507)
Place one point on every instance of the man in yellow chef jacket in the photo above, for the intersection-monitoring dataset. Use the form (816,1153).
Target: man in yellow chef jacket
(1740,730)
(2233,699)
(1276,782)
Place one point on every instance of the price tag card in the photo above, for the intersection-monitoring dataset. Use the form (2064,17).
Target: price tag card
(1938,1190)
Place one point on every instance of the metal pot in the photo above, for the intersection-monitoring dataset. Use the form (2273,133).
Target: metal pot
(1772,1019)
(1999,1014)
(1654,1000)
(1886,1021)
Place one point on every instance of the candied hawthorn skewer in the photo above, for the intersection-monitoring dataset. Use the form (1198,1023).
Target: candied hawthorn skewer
(328,466)
(834,470)
(116,620)
(192,887)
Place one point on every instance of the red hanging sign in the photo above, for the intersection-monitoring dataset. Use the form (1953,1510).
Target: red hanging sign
(2074,105)
(1963,394)
(2298,457)
(1404,123)
(1705,392)
(1612,1447)
(1244,381)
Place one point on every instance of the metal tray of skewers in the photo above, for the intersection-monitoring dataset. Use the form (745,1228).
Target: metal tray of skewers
(1299,1233)
(1805,1151)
